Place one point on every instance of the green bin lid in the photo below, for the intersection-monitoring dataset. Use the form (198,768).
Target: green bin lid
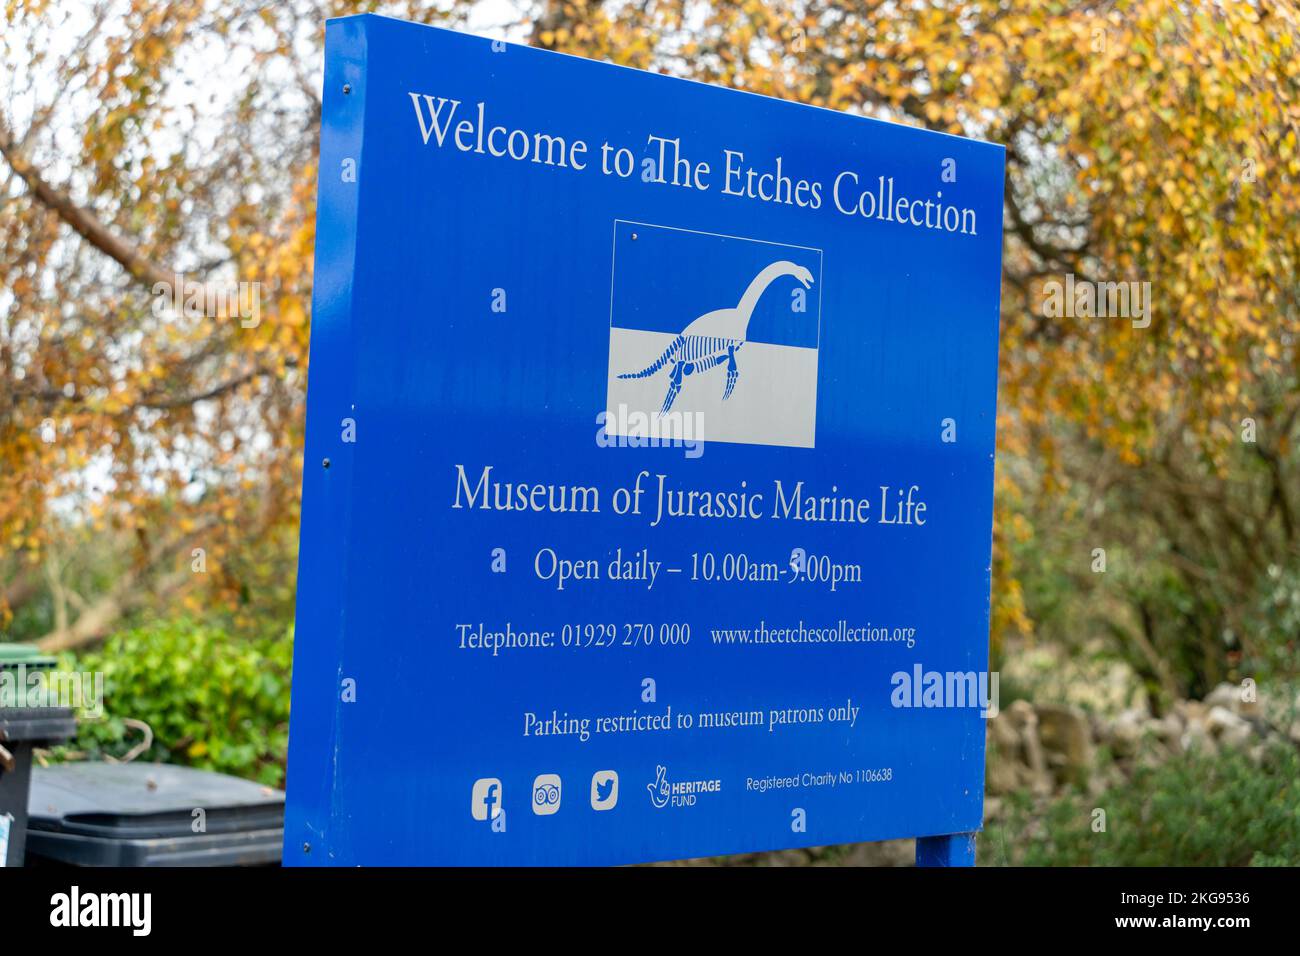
(11,655)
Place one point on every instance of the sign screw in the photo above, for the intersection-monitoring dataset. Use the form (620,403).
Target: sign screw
(347,88)
(306,848)
(634,237)
(325,463)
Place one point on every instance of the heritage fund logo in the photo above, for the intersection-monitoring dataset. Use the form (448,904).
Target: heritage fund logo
(716,329)
(682,793)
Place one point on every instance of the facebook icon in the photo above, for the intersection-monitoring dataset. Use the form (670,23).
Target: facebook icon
(486,801)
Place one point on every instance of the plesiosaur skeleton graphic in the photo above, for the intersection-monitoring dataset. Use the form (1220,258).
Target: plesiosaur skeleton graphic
(715,337)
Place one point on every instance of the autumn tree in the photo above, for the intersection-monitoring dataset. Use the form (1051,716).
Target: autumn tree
(151,144)
(1146,141)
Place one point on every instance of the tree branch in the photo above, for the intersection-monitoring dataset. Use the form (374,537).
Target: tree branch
(84,222)
(215,392)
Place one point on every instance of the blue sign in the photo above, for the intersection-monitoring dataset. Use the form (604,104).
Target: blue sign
(647,500)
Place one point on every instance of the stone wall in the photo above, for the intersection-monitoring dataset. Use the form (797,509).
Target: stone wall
(1041,748)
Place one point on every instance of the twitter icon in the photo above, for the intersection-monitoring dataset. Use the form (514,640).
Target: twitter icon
(604,789)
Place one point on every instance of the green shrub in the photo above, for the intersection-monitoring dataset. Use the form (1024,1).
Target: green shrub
(214,701)
(1193,810)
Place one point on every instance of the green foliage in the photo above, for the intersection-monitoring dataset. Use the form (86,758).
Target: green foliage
(214,700)
(1194,810)
(1273,627)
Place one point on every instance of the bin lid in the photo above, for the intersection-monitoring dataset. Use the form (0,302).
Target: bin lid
(21,702)
(146,813)
(38,725)
(11,655)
